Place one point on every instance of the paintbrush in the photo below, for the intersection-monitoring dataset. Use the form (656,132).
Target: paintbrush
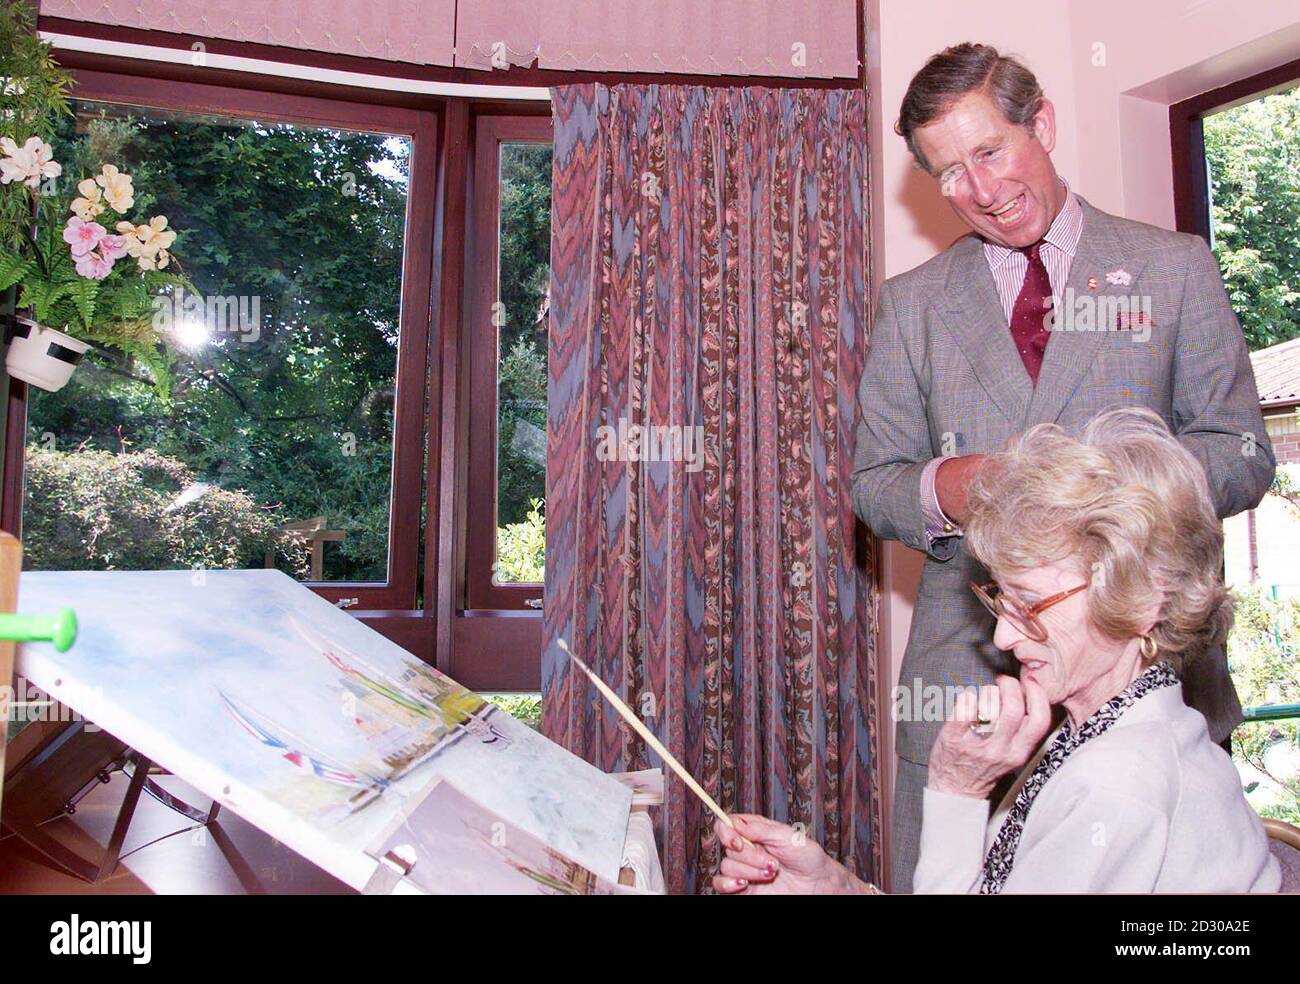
(637,726)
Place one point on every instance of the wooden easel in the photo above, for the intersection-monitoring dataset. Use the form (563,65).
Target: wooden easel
(57,762)
(52,756)
(51,781)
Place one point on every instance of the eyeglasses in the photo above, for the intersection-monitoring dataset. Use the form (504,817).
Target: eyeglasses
(1025,619)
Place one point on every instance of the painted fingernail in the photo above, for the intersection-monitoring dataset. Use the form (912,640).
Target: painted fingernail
(741,883)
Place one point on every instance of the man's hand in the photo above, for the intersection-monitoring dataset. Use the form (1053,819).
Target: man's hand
(952,482)
(966,763)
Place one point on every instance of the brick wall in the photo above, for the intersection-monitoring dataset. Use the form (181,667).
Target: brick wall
(1284,432)
(1287,449)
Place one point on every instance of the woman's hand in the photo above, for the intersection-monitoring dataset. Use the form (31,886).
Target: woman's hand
(778,860)
(965,763)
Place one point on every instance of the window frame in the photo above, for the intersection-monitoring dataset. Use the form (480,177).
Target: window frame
(398,591)
(483,591)
(1191,174)
(1187,140)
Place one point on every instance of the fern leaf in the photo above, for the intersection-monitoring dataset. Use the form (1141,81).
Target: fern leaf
(83,293)
(14,268)
(41,296)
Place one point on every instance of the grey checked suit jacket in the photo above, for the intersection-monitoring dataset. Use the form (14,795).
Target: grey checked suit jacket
(942,363)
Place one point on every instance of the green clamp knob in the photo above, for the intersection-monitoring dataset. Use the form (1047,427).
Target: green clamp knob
(65,630)
(59,629)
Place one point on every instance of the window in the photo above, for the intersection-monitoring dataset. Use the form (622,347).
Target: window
(1237,184)
(507,354)
(294,434)
(353,435)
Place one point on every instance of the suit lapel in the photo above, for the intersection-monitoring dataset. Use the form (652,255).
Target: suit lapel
(973,313)
(1070,354)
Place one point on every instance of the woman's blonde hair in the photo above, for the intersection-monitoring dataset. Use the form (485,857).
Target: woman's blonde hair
(1131,505)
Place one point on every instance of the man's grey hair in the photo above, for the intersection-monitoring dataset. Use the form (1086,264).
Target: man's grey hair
(957,71)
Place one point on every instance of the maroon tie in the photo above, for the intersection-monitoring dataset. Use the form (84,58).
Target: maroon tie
(1028,316)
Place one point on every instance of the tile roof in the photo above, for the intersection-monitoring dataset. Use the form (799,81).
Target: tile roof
(1277,373)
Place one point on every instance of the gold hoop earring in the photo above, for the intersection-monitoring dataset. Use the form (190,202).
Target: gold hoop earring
(1148,648)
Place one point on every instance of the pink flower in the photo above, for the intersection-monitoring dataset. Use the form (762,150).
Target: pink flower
(93,265)
(112,247)
(83,236)
(28,163)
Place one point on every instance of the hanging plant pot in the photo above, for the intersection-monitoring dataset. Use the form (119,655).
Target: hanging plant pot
(42,356)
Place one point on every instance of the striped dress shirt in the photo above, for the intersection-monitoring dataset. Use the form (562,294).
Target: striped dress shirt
(1057,252)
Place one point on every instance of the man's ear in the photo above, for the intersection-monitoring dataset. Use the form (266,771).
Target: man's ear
(1045,125)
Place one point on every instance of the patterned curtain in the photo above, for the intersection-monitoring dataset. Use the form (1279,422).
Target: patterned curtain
(708,327)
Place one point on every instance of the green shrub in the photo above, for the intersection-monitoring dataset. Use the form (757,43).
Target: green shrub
(521,548)
(95,510)
(521,396)
(1255,212)
(1264,658)
(524,707)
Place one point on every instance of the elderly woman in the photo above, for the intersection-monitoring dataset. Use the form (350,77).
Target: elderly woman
(1106,556)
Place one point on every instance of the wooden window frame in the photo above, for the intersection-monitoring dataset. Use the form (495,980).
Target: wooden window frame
(398,591)
(483,591)
(1187,137)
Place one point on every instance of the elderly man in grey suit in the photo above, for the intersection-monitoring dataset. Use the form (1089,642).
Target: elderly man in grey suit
(1050,311)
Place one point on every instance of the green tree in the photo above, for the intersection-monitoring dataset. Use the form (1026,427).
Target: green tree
(297,413)
(521,464)
(33,98)
(525,241)
(295,408)
(1254,155)
(525,245)
(1265,665)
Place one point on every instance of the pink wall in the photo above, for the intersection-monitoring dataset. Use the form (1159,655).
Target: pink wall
(1112,68)
(1132,61)
(918,222)
(912,222)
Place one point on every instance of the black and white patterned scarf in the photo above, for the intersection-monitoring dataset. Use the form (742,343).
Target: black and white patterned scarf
(1002,855)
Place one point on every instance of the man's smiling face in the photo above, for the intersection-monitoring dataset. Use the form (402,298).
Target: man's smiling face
(996,175)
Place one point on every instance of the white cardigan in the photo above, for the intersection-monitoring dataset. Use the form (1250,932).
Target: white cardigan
(1151,805)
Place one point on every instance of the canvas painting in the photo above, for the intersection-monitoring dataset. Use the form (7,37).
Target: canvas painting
(450,844)
(301,719)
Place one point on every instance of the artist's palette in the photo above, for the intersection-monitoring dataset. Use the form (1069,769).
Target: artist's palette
(305,722)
